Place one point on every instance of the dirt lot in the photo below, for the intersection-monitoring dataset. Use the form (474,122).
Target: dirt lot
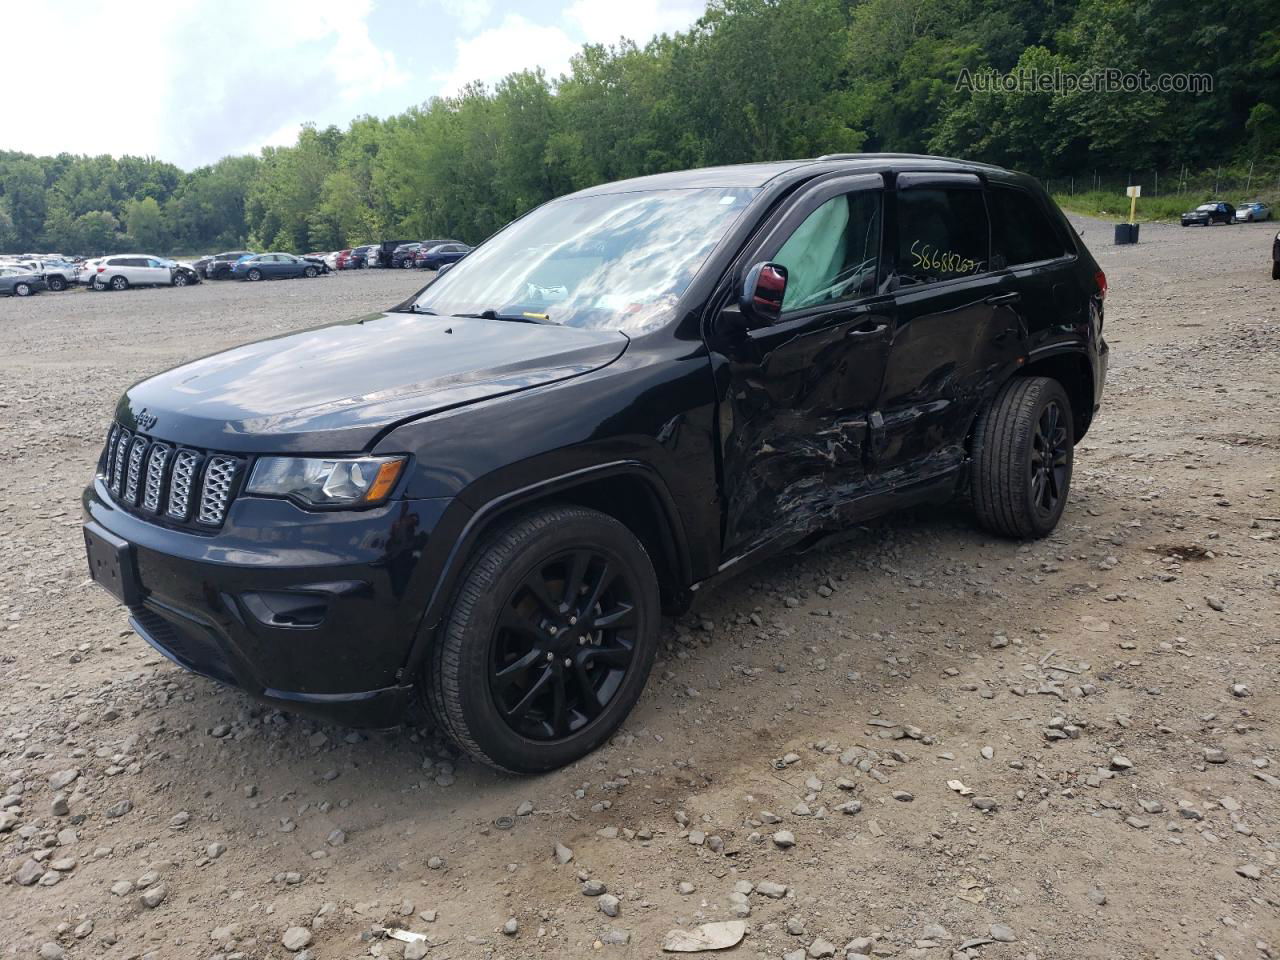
(1126,792)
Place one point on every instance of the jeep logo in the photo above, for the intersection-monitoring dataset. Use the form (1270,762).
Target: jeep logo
(145,420)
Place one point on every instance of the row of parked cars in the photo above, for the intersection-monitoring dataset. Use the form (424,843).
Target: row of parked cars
(394,254)
(1219,211)
(23,275)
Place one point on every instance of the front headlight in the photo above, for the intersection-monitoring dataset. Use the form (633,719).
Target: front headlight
(327,481)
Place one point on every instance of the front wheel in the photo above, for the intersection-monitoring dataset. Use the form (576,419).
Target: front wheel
(180,280)
(255,274)
(309,273)
(1275,270)
(22,289)
(548,643)
(57,284)
(1023,451)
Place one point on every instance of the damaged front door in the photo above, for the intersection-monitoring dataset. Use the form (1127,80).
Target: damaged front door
(795,421)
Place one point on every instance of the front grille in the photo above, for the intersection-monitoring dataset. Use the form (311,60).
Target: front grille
(177,485)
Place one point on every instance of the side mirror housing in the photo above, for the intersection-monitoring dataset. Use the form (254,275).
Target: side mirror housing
(760,298)
(444,268)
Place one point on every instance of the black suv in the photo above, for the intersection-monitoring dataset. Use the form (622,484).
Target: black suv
(218,267)
(486,496)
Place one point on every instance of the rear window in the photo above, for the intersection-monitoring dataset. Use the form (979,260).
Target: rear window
(942,234)
(1021,231)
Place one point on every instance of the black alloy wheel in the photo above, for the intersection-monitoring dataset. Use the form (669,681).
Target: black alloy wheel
(1050,460)
(255,274)
(549,638)
(562,645)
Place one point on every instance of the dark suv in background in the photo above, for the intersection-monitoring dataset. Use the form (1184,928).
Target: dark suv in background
(218,267)
(486,496)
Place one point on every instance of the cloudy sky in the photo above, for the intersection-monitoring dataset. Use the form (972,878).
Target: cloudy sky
(192,82)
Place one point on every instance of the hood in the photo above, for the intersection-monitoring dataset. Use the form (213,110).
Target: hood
(334,389)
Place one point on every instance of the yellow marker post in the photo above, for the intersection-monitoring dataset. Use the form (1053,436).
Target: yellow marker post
(1133,193)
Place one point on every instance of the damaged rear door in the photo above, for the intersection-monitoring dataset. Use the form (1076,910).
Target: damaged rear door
(794,423)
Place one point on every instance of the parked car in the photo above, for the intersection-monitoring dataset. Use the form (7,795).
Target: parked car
(380,255)
(486,496)
(360,257)
(121,273)
(442,253)
(59,272)
(273,266)
(319,259)
(1208,214)
(331,260)
(426,245)
(1249,212)
(1275,258)
(184,274)
(402,256)
(219,265)
(87,271)
(201,265)
(16,281)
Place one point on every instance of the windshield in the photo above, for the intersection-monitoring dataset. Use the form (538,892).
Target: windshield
(616,261)
(1207,206)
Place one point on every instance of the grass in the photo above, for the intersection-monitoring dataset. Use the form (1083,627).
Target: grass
(1109,205)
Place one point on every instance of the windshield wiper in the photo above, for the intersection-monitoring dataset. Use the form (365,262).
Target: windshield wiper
(510,317)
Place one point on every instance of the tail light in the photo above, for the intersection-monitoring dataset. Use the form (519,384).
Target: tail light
(102,269)
(1100,279)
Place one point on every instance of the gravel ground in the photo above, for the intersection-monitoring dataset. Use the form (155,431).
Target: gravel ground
(923,743)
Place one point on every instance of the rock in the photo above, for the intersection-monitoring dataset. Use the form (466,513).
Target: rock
(437,863)
(851,808)
(861,945)
(63,864)
(795,926)
(524,809)
(774,891)
(1241,690)
(214,850)
(709,936)
(416,950)
(63,779)
(593,888)
(1250,871)
(179,820)
(1097,896)
(1137,822)
(986,804)
(59,806)
(562,853)
(1120,762)
(822,948)
(28,873)
(1215,755)
(295,938)
(511,927)
(784,839)
(1215,603)
(1002,934)
(122,888)
(118,809)
(336,838)
(51,951)
(609,905)
(153,896)
(903,796)
(616,938)
(8,820)
(684,888)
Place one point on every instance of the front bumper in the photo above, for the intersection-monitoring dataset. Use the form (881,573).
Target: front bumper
(313,612)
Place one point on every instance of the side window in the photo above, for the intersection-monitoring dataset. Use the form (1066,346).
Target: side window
(834,254)
(942,234)
(1021,232)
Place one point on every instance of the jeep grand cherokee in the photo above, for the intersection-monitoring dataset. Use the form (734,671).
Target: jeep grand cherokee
(486,496)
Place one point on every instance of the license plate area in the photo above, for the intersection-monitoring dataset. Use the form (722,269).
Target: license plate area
(111,564)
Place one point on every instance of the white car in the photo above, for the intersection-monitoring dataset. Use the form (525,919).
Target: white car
(134,270)
(87,271)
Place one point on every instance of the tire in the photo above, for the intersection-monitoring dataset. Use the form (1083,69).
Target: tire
(22,289)
(309,273)
(119,283)
(180,280)
(463,687)
(1013,496)
(1275,269)
(254,274)
(56,284)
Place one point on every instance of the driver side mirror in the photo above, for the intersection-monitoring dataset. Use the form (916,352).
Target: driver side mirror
(760,298)
(445,268)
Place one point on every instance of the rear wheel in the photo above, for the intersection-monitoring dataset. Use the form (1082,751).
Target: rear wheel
(548,643)
(309,273)
(1023,452)
(56,284)
(119,283)
(1275,270)
(22,289)
(255,274)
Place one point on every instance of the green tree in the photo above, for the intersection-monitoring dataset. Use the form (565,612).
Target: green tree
(145,222)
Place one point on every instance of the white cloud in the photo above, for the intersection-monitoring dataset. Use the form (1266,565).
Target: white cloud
(515,44)
(467,15)
(193,88)
(605,21)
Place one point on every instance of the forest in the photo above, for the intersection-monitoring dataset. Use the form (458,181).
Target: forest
(750,80)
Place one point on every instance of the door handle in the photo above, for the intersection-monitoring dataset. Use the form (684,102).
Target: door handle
(866,329)
(1012,297)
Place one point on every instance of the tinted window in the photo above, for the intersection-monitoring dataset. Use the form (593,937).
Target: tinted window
(942,234)
(1021,232)
(834,254)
